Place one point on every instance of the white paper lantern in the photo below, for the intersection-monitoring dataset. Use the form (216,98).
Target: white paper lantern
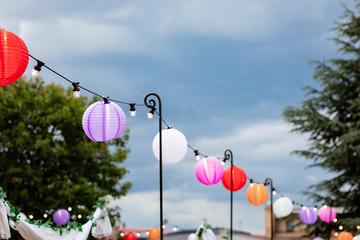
(283,207)
(174,146)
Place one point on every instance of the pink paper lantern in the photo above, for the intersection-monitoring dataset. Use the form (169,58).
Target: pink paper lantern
(104,121)
(209,171)
(327,214)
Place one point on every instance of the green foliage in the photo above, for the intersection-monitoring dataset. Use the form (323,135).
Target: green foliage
(331,117)
(46,160)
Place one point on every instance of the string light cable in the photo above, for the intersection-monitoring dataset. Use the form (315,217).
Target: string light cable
(152,111)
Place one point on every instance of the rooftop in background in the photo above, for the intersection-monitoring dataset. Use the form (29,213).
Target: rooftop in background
(183,234)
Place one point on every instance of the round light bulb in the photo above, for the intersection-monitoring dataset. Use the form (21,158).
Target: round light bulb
(76,94)
(79,216)
(35,73)
(335,220)
(122,234)
(138,234)
(197,157)
(274,192)
(175,229)
(45,215)
(341,227)
(150,115)
(133,113)
(223,163)
(251,184)
(31,216)
(69,209)
(147,232)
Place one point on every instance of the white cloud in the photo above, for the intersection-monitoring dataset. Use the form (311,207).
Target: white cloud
(145,28)
(142,210)
(264,141)
(123,13)
(76,37)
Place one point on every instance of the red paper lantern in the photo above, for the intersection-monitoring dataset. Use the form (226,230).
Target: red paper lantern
(154,233)
(14,57)
(345,236)
(239,178)
(257,194)
(130,236)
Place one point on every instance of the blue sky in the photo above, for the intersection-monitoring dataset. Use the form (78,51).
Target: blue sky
(225,70)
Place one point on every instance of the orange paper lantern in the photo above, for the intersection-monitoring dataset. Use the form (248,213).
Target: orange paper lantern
(154,233)
(239,178)
(345,236)
(130,236)
(14,57)
(257,194)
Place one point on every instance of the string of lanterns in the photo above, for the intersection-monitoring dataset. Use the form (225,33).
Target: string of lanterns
(105,120)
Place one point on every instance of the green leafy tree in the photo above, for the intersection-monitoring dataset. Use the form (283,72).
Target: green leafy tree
(46,160)
(331,117)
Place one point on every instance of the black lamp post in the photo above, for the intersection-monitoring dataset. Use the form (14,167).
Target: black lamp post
(151,103)
(268,181)
(229,156)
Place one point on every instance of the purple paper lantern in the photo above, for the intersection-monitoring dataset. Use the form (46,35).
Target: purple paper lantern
(209,171)
(318,238)
(308,215)
(61,216)
(103,121)
(327,214)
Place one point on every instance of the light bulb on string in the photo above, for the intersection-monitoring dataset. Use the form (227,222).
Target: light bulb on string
(251,183)
(79,216)
(341,227)
(69,209)
(45,215)
(35,72)
(273,191)
(223,162)
(197,155)
(335,220)
(76,90)
(150,114)
(132,110)
(31,216)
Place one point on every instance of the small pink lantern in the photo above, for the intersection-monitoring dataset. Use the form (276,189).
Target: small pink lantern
(327,214)
(104,121)
(209,171)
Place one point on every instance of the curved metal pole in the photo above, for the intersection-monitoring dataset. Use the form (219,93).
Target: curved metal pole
(229,156)
(150,103)
(267,182)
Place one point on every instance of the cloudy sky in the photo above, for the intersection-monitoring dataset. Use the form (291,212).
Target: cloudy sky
(225,70)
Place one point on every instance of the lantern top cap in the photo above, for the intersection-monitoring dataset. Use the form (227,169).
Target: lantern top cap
(106,100)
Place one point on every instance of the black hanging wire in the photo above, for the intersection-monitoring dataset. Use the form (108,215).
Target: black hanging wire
(131,104)
(111,99)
